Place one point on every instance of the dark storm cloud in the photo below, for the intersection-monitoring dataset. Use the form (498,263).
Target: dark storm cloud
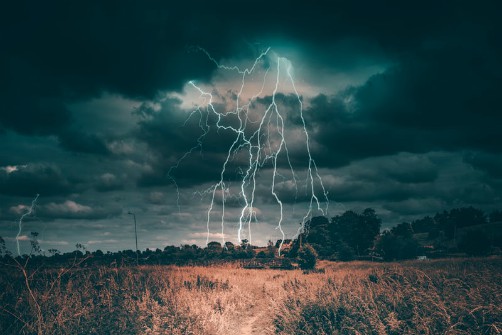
(441,93)
(402,168)
(83,142)
(171,133)
(417,206)
(491,164)
(35,179)
(443,98)
(382,179)
(58,52)
(436,72)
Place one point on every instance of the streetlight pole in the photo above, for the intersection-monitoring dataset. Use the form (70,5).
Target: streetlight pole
(135,234)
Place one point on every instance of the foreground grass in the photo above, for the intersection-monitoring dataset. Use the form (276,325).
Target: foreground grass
(441,297)
(436,297)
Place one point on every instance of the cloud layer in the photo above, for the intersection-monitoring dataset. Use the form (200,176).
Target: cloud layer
(400,101)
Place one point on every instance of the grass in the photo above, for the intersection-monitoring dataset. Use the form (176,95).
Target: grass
(462,296)
(439,297)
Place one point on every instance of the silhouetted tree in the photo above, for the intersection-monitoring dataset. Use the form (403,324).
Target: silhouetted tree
(345,252)
(244,243)
(98,253)
(35,245)
(3,249)
(358,231)
(393,247)
(423,225)
(286,241)
(403,229)
(475,243)
(214,245)
(451,221)
(318,236)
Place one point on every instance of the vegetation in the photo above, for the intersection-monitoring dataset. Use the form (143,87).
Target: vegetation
(83,292)
(446,296)
(307,257)
(353,235)
(346,237)
(477,243)
(437,297)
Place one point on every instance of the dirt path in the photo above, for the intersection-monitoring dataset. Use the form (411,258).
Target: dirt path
(249,327)
(257,320)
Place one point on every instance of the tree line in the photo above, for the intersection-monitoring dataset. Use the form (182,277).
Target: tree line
(354,235)
(348,236)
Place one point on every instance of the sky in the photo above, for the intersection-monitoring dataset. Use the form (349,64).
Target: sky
(104,104)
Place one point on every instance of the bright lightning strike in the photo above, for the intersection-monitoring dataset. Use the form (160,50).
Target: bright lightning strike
(259,142)
(29,211)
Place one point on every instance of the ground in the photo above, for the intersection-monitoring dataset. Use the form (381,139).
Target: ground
(454,296)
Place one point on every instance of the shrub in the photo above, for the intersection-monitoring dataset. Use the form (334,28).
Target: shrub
(307,257)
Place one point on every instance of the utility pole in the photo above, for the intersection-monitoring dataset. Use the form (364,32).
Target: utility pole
(136,235)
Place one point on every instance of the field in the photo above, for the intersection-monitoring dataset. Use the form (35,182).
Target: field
(462,296)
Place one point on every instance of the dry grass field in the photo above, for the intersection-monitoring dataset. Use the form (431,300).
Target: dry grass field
(461,296)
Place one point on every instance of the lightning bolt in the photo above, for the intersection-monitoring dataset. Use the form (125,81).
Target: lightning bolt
(28,212)
(263,141)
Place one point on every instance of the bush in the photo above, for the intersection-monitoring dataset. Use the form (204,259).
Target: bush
(261,254)
(307,257)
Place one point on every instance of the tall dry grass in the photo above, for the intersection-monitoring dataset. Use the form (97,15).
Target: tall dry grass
(439,297)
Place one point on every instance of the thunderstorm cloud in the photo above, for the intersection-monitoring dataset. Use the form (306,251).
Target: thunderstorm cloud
(400,99)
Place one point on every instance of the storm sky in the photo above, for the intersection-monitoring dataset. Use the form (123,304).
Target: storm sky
(401,101)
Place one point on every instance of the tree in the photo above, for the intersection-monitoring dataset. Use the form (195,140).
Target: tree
(467,216)
(318,236)
(307,257)
(270,249)
(371,225)
(476,243)
(214,245)
(315,222)
(3,248)
(97,253)
(394,247)
(286,241)
(35,245)
(424,225)
(345,253)
(358,231)
(403,229)
(244,243)
(450,221)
